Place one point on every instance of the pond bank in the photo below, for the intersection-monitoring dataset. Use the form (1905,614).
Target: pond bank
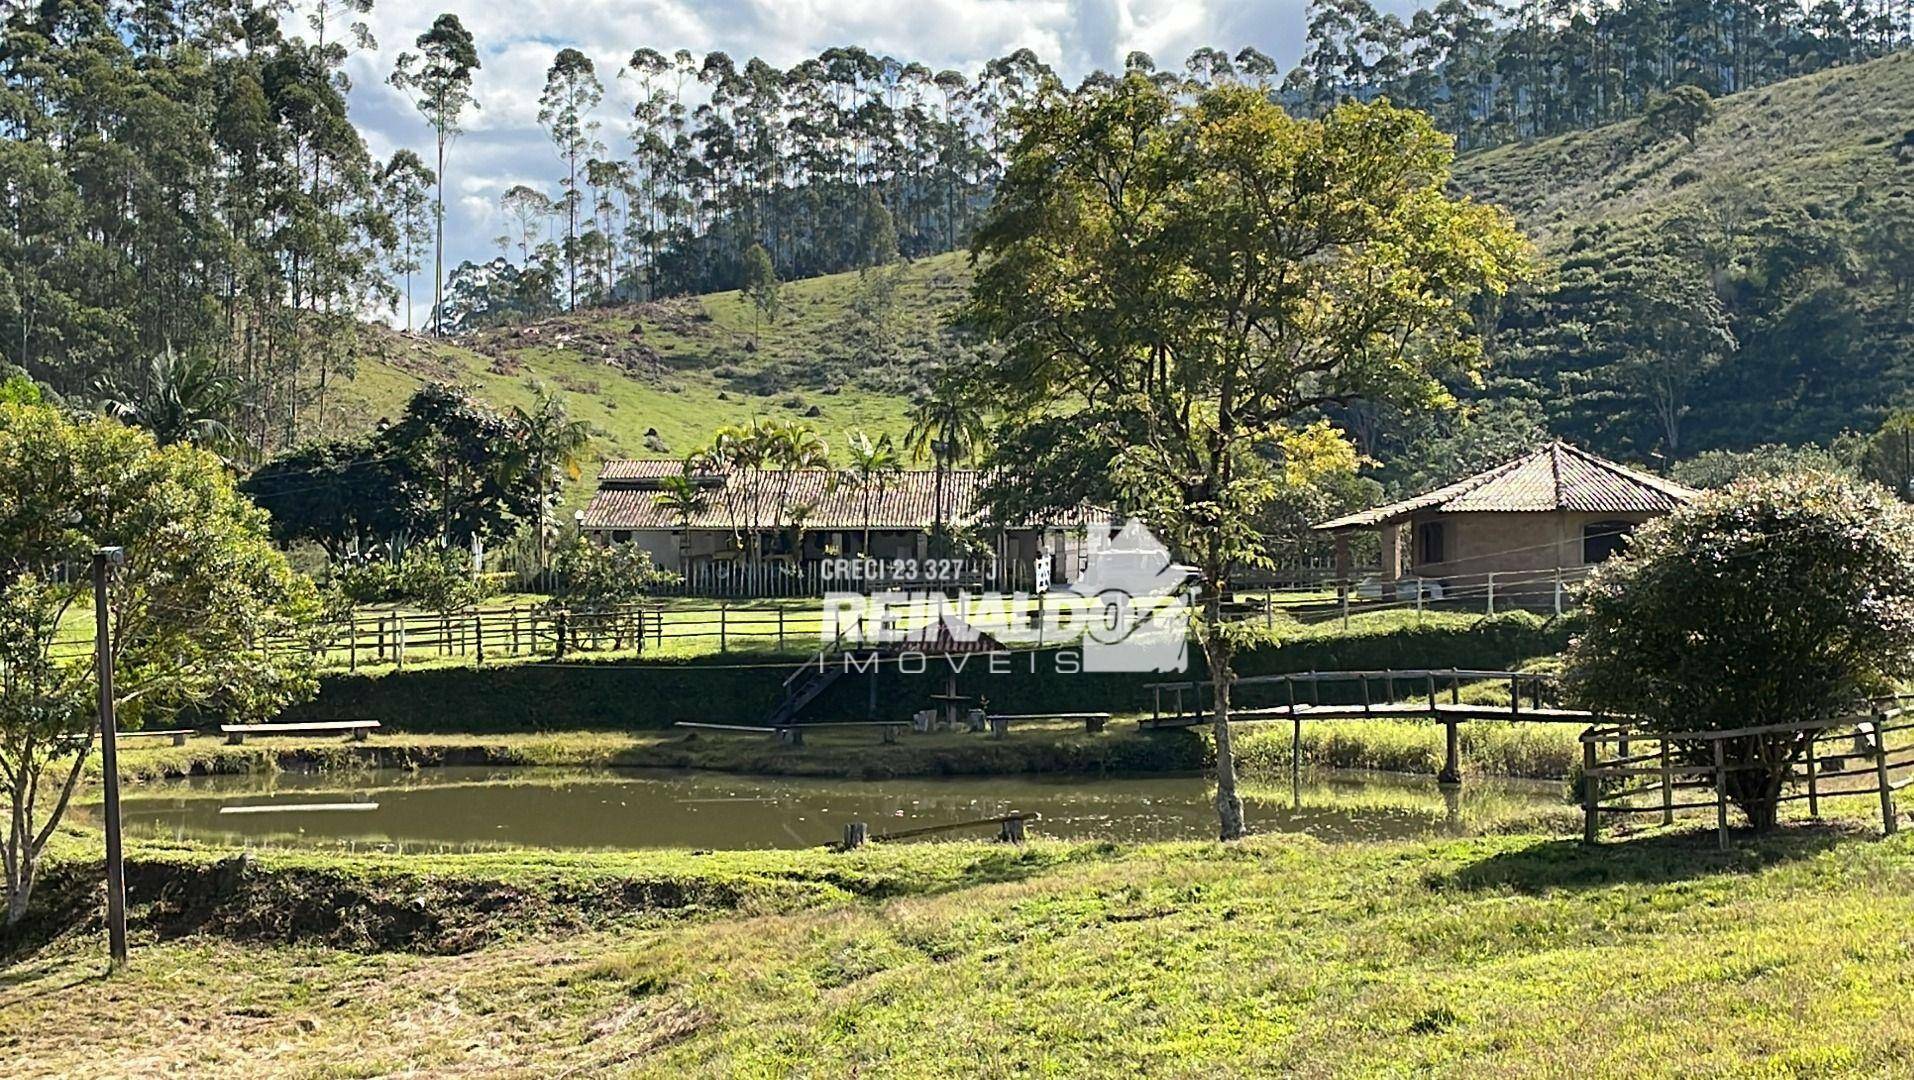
(1528,751)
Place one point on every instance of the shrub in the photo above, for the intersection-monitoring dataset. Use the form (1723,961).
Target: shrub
(594,578)
(1770,601)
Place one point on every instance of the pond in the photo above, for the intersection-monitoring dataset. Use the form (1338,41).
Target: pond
(459,808)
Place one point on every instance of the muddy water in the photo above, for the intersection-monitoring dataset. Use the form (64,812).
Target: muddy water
(451,809)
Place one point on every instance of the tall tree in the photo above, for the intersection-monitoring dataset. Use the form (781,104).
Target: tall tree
(572,91)
(439,78)
(405,187)
(1249,268)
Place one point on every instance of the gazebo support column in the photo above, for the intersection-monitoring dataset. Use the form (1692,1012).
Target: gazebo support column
(1391,558)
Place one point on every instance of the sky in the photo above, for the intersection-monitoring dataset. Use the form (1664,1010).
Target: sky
(504,144)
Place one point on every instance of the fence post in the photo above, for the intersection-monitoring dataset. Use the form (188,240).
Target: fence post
(399,646)
(1721,796)
(724,630)
(1888,825)
(780,629)
(352,641)
(478,638)
(855,834)
(1013,829)
(1345,607)
(1591,791)
(1814,778)
(1668,784)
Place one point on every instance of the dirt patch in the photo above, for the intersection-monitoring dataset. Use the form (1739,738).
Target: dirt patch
(359,909)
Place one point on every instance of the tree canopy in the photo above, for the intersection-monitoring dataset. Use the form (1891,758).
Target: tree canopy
(200,591)
(1192,278)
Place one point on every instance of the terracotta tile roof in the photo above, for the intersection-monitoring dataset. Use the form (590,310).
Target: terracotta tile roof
(1556,477)
(628,490)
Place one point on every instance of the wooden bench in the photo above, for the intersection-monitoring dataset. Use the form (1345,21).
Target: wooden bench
(358,729)
(178,735)
(1093,722)
(782,734)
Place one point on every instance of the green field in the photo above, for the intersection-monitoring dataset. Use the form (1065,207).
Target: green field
(1519,955)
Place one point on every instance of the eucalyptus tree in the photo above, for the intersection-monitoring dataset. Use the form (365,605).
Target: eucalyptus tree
(529,210)
(572,91)
(439,78)
(1250,269)
(405,189)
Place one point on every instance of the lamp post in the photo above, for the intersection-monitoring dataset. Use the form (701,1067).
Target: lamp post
(103,560)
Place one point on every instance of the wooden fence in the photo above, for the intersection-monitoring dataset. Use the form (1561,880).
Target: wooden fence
(1629,772)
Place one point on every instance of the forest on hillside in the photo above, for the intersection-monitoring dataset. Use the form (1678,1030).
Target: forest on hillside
(195,232)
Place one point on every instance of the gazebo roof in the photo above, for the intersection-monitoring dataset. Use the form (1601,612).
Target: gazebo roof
(1556,477)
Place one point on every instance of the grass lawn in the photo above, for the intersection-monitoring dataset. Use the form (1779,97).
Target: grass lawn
(1522,955)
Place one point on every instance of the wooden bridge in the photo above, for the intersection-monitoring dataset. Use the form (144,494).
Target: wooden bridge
(1380,695)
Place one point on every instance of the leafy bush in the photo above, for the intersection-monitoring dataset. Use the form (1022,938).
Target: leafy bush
(1771,601)
(439,579)
(594,578)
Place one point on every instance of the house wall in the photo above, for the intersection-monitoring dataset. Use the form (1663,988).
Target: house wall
(1505,542)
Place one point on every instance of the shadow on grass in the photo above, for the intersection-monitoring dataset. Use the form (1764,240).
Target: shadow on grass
(1656,859)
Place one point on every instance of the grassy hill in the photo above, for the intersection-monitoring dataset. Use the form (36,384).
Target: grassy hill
(1815,141)
(681,367)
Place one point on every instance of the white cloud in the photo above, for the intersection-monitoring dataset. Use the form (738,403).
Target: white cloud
(503,143)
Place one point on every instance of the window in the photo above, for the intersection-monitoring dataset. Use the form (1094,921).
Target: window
(621,536)
(1604,540)
(1429,543)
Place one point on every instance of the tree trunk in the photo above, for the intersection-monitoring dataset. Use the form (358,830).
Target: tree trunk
(1229,805)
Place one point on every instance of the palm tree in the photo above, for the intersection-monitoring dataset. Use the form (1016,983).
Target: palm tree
(947,426)
(684,499)
(792,447)
(549,446)
(179,398)
(872,463)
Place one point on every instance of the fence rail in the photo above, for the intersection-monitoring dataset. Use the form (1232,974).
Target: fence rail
(1695,770)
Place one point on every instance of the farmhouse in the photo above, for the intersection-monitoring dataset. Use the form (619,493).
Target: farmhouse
(805,517)
(1547,514)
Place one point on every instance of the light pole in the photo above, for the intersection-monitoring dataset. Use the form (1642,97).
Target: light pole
(103,559)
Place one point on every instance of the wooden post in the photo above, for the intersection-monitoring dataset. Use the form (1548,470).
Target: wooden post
(724,629)
(1668,786)
(1888,825)
(398,652)
(1721,796)
(352,641)
(1814,779)
(1451,754)
(381,642)
(478,638)
(855,835)
(780,629)
(1013,829)
(1591,792)
(1295,750)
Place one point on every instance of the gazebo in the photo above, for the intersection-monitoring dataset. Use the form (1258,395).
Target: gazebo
(1549,513)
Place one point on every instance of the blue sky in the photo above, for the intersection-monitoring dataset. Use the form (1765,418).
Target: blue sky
(504,144)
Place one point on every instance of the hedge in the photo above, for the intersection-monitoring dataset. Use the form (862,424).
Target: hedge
(655,694)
